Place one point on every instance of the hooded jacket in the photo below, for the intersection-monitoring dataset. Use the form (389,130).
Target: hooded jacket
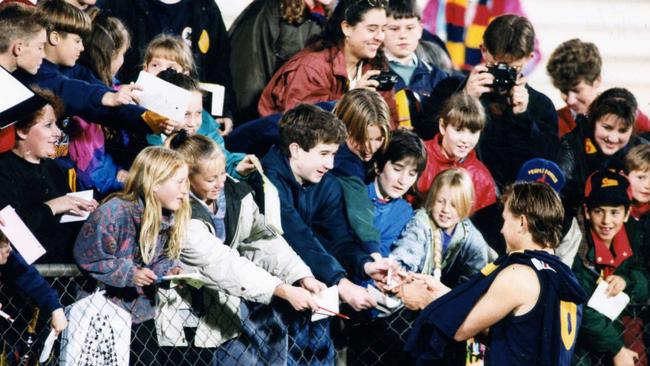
(559,316)
(314,222)
(484,187)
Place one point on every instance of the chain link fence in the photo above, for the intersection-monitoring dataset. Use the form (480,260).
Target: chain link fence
(261,331)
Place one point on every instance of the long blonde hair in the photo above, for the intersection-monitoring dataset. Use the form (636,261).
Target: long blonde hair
(153,166)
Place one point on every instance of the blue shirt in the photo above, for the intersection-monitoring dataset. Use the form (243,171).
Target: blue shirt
(390,218)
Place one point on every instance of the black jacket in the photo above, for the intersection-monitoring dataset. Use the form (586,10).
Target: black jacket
(212,65)
(577,166)
(26,187)
(264,43)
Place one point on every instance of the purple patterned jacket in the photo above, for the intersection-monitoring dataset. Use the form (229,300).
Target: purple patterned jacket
(107,249)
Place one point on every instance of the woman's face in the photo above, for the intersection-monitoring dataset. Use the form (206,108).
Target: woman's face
(173,191)
(364,39)
(5,249)
(397,178)
(458,142)
(374,143)
(40,141)
(611,135)
(209,182)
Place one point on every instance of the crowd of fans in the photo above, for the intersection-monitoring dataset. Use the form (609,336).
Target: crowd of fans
(394,176)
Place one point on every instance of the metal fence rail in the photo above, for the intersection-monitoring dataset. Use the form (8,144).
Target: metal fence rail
(364,340)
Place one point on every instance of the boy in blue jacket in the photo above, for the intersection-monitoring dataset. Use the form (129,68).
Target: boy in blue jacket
(416,79)
(313,218)
(82,93)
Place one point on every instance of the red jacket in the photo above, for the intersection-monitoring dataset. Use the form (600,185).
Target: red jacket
(566,122)
(311,77)
(484,186)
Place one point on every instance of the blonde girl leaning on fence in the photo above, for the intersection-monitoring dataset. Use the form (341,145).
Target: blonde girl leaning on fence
(134,238)
(440,240)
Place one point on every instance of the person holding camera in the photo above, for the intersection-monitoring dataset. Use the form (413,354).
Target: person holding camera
(345,55)
(522,122)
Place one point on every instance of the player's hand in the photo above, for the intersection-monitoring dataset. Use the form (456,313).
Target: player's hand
(479,81)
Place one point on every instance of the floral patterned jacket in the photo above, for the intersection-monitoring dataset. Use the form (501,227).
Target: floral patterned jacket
(107,249)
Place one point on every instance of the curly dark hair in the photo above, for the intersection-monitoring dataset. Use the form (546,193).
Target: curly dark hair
(574,61)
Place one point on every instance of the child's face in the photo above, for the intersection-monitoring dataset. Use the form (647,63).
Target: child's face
(158,64)
(364,39)
(397,177)
(458,142)
(611,135)
(402,36)
(311,166)
(5,249)
(118,60)
(443,211)
(579,97)
(173,191)
(32,52)
(68,48)
(209,182)
(42,137)
(640,184)
(607,221)
(375,141)
(193,116)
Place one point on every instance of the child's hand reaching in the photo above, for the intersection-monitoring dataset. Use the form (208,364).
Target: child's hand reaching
(123,96)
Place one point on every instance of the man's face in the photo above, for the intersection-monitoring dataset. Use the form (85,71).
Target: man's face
(511,229)
(640,184)
(579,97)
(311,166)
(607,221)
(31,52)
(402,37)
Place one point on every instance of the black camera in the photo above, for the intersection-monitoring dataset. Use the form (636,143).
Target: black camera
(505,77)
(386,79)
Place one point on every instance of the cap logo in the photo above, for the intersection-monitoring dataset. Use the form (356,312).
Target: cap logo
(543,172)
(609,183)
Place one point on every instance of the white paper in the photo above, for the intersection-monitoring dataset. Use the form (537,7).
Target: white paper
(385,303)
(193,279)
(20,236)
(162,97)
(326,299)
(47,347)
(13,91)
(611,307)
(218,94)
(85,195)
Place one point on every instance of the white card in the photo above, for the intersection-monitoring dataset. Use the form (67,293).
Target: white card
(611,307)
(20,236)
(47,347)
(12,92)
(86,195)
(164,98)
(218,93)
(328,300)
(385,303)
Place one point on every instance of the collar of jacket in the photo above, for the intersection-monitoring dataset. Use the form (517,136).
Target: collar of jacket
(276,161)
(611,259)
(439,156)
(338,62)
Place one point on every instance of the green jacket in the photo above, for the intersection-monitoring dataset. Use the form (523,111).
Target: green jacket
(597,332)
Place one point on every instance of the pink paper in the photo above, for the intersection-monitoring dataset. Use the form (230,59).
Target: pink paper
(20,236)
